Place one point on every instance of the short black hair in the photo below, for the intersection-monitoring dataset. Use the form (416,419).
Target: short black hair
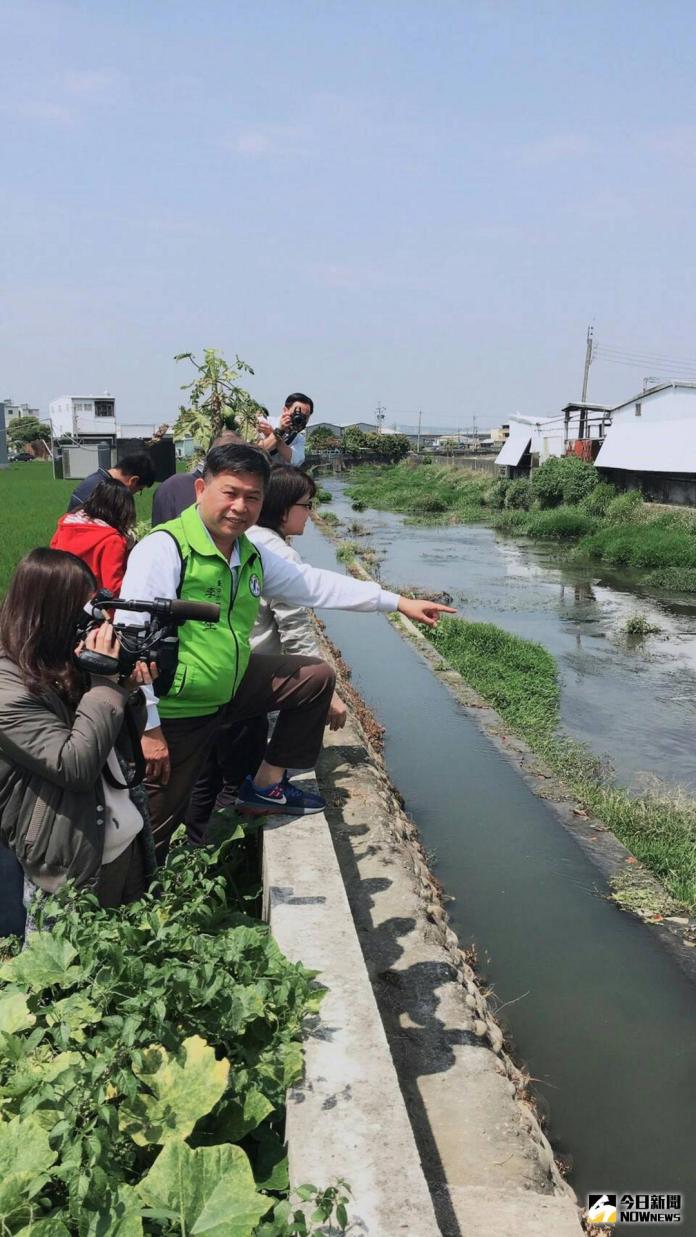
(285,488)
(139,464)
(236,457)
(111,502)
(298,398)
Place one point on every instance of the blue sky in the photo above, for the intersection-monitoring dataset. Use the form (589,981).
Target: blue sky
(423,205)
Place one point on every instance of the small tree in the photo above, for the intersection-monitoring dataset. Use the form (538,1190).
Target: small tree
(23,430)
(563,479)
(354,439)
(216,401)
(389,447)
(322,439)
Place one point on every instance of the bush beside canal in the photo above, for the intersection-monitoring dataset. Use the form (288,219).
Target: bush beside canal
(564,501)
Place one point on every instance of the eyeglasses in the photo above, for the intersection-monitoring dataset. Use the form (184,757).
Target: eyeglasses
(308,506)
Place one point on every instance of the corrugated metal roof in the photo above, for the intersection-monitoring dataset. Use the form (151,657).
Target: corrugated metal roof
(664,446)
(514,448)
(661,386)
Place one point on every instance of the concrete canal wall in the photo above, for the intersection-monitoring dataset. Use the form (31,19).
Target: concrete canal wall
(408,1092)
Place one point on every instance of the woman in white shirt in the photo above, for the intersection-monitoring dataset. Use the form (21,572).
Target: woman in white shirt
(281,628)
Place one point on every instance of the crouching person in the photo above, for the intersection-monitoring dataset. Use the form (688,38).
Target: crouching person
(205,556)
(71,804)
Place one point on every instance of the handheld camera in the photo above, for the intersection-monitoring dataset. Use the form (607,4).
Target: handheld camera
(298,422)
(157,641)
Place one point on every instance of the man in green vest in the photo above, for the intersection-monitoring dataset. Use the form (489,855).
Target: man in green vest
(204,555)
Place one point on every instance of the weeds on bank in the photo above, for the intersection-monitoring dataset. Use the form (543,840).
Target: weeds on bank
(347,551)
(330,518)
(673,579)
(564,501)
(520,680)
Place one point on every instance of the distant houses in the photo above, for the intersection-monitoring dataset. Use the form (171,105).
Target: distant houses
(646,443)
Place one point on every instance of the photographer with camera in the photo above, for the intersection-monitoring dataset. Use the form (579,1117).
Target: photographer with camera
(285,440)
(73,807)
(205,556)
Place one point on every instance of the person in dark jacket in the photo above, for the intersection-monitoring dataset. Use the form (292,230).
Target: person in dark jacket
(136,472)
(71,804)
(179,492)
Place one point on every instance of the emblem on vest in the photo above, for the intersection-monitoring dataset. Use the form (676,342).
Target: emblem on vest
(255,586)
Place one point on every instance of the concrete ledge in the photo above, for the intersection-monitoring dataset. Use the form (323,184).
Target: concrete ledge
(347,1118)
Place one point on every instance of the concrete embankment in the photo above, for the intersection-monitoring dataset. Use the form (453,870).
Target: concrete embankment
(408,1091)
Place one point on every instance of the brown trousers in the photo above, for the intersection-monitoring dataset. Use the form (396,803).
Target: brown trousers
(300,688)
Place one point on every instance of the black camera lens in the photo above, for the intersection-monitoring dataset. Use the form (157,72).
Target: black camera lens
(298,420)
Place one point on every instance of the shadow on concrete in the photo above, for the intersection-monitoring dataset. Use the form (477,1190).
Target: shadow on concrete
(407,998)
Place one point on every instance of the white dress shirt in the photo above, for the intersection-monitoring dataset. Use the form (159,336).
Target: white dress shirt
(297,446)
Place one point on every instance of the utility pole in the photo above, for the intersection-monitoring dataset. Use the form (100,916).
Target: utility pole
(380,414)
(585,380)
(420,414)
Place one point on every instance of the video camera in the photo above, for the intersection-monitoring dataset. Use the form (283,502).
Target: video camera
(157,641)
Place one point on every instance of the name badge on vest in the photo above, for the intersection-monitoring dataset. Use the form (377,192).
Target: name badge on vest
(255,586)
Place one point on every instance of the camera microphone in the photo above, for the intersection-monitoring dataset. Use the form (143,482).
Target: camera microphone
(161,608)
(203,611)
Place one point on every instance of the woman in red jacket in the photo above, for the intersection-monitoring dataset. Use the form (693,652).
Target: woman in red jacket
(100,533)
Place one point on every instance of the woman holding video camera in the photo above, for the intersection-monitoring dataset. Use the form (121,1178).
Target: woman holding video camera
(71,804)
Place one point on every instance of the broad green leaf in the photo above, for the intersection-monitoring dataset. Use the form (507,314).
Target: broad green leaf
(37,1072)
(270,1161)
(51,1227)
(14,1013)
(25,1157)
(184,1088)
(119,1216)
(211,1189)
(76,1012)
(238,1117)
(45,962)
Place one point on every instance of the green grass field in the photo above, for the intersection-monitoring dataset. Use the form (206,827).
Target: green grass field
(30,502)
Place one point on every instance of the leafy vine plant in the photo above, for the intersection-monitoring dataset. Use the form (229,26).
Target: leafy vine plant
(216,401)
(145,1056)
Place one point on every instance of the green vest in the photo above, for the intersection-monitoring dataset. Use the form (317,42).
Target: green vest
(213,657)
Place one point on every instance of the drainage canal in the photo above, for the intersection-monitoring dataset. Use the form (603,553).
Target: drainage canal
(577,611)
(598,1010)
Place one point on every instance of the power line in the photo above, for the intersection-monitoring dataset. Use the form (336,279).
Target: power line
(610,353)
(641,352)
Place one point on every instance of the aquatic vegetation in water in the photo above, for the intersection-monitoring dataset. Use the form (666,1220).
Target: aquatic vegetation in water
(639,625)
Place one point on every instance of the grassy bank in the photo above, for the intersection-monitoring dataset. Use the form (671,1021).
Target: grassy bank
(564,501)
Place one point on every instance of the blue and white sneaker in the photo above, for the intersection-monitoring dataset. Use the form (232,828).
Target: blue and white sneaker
(281,799)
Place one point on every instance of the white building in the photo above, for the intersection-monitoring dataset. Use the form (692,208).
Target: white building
(91,418)
(13,411)
(647,442)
